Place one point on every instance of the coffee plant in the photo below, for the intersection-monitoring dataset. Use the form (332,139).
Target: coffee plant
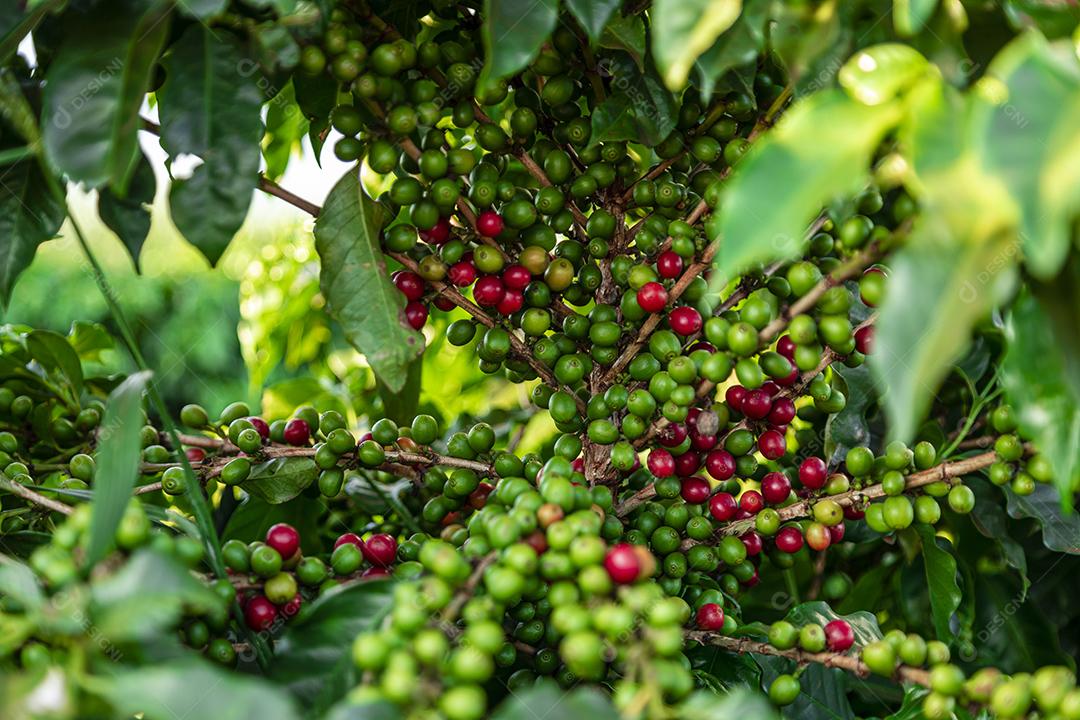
(789,290)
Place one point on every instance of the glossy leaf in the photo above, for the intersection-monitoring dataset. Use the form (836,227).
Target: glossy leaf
(313,659)
(593,14)
(19,22)
(354,280)
(1041,375)
(254,516)
(879,73)
(146,596)
(513,32)
(737,46)
(210,107)
(826,141)
(29,215)
(95,86)
(281,479)
(909,16)
(118,453)
(742,703)
(89,340)
(546,696)
(129,216)
(286,126)
(940,568)
(1030,135)
(167,692)
(989,518)
(849,427)
(863,624)
(1060,532)
(18,582)
(823,694)
(626,33)
(53,352)
(684,29)
(639,108)
(378,710)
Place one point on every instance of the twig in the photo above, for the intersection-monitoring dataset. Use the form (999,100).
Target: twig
(29,495)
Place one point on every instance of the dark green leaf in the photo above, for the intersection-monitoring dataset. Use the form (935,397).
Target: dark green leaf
(593,14)
(824,690)
(203,9)
(945,594)
(54,353)
(1031,141)
(909,16)
(18,582)
(546,698)
(254,517)
(18,24)
(354,280)
(209,107)
(989,518)
(275,47)
(640,108)
(738,46)
(725,669)
(514,30)
(118,453)
(281,479)
(1013,634)
(95,86)
(193,688)
(849,427)
(863,624)
(29,215)
(146,596)
(683,29)
(742,703)
(401,406)
(313,659)
(626,33)
(826,141)
(129,216)
(1061,533)
(378,710)
(285,128)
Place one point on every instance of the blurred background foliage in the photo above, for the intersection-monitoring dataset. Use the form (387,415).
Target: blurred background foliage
(254,328)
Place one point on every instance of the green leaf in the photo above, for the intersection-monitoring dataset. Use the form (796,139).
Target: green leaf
(94,88)
(117,455)
(989,518)
(1061,532)
(742,703)
(945,595)
(1041,376)
(54,353)
(401,406)
(19,24)
(909,16)
(193,688)
(821,149)
(879,73)
(1030,137)
(210,107)
(129,216)
(313,659)
(203,9)
(823,694)
(254,517)
(146,596)
(639,108)
(626,33)
(725,669)
(89,339)
(593,14)
(863,624)
(546,697)
(285,128)
(19,583)
(738,46)
(281,479)
(513,32)
(353,278)
(377,710)
(29,215)
(683,29)
(849,427)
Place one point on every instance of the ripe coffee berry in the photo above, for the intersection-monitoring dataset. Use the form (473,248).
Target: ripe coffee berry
(652,297)
(685,320)
(751,502)
(489,223)
(410,284)
(782,412)
(516,277)
(297,432)
(775,488)
(695,490)
(673,435)
(772,445)
(351,538)
(839,636)
(283,538)
(786,347)
(734,396)
(380,550)
(723,507)
(622,564)
(864,339)
(752,542)
(720,464)
(259,613)
(661,463)
(416,314)
(488,291)
(687,464)
(462,273)
(789,539)
(710,616)
(668,264)
(756,404)
(813,473)
(438,234)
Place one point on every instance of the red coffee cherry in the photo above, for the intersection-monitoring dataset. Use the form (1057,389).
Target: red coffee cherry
(416,314)
(720,464)
(409,283)
(438,234)
(772,444)
(259,613)
(756,404)
(722,506)
(687,464)
(516,277)
(512,301)
(782,412)
(864,339)
(380,550)
(488,291)
(622,564)
(789,539)
(652,297)
(685,320)
(734,396)
(661,463)
(695,490)
(462,273)
(813,473)
(751,501)
(284,538)
(349,538)
(752,542)
(710,616)
(839,636)
(297,432)
(775,488)
(669,265)
(259,424)
(489,223)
